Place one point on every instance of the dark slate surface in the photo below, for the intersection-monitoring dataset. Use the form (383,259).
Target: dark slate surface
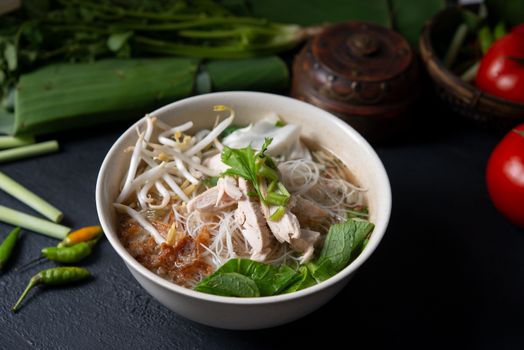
(449,266)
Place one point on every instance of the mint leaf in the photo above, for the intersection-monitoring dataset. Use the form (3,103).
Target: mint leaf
(230,284)
(303,280)
(268,279)
(342,239)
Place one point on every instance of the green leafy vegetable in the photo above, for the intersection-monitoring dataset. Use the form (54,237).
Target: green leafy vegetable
(305,280)
(255,168)
(229,284)
(343,243)
(242,163)
(342,239)
(268,279)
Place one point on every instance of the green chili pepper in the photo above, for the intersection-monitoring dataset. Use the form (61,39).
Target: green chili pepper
(54,277)
(69,255)
(7,246)
(64,255)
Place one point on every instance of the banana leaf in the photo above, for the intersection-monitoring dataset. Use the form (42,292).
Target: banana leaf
(66,96)
(405,16)
(270,75)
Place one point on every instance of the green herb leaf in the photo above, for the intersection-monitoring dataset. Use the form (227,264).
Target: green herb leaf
(245,163)
(241,162)
(268,279)
(280,124)
(321,270)
(304,280)
(229,284)
(342,241)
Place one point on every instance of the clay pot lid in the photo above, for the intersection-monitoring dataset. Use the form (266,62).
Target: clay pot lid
(362,51)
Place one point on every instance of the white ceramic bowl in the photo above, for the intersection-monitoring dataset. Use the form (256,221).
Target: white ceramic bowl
(318,126)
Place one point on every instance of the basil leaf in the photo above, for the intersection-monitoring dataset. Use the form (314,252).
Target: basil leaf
(230,284)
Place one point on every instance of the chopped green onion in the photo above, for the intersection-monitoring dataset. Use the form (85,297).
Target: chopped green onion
(277,199)
(32,200)
(357,213)
(32,223)
(278,214)
(271,186)
(15,141)
(283,189)
(28,151)
(268,173)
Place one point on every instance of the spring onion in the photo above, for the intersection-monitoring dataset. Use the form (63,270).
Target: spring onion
(32,200)
(12,141)
(32,223)
(28,151)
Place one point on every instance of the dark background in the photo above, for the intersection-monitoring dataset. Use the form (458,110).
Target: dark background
(448,273)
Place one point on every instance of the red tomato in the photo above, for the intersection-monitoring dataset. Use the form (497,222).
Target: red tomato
(505,176)
(501,71)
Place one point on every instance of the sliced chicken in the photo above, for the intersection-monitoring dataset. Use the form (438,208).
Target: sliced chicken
(209,201)
(250,217)
(309,213)
(215,163)
(305,244)
(285,229)
(228,186)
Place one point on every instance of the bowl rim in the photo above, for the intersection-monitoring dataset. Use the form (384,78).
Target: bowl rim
(171,286)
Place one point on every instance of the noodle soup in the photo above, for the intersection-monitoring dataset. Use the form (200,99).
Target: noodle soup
(240,211)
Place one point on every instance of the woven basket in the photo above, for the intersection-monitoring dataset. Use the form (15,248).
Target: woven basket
(463,97)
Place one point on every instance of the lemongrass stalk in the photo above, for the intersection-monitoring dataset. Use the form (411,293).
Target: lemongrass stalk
(29,198)
(28,151)
(15,141)
(32,223)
